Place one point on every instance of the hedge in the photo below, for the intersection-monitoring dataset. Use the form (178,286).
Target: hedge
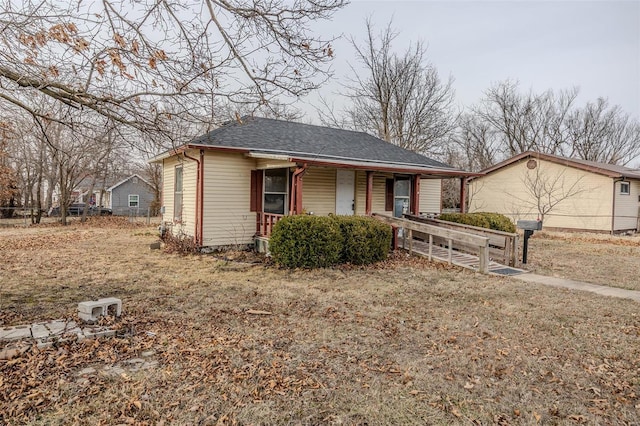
(487,220)
(320,241)
(366,240)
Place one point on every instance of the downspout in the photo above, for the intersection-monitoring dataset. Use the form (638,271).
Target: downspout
(613,211)
(199,186)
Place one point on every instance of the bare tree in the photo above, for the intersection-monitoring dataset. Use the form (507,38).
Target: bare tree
(603,133)
(150,64)
(8,175)
(508,122)
(399,98)
(545,190)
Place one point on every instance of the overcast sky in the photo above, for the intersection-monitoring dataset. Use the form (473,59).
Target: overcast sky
(594,45)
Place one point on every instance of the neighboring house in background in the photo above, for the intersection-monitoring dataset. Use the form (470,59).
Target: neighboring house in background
(131,196)
(231,185)
(572,194)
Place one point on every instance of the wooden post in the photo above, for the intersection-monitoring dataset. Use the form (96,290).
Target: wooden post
(414,200)
(369,194)
(450,242)
(483,257)
(463,195)
(430,247)
(410,232)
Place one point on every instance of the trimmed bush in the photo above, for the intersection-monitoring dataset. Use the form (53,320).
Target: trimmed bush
(306,242)
(499,222)
(317,241)
(494,221)
(366,240)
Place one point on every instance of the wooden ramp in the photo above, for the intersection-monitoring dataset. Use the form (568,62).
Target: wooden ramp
(464,260)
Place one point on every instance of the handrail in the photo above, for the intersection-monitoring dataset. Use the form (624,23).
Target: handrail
(503,245)
(265,223)
(482,243)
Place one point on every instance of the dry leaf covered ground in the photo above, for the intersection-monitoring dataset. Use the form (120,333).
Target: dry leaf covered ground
(403,342)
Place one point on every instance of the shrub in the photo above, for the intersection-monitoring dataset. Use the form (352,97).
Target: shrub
(317,241)
(466,219)
(306,242)
(180,243)
(366,240)
(494,221)
(499,222)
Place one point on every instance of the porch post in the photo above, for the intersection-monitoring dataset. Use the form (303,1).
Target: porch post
(295,203)
(414,200)
(369,193)
(463,195)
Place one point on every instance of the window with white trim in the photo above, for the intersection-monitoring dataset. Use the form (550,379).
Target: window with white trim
(275,190)
(625,188)
(177,195)
(134,200)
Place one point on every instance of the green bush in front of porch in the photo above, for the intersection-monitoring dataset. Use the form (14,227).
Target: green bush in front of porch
(306,242)
(320,241)
(366,240)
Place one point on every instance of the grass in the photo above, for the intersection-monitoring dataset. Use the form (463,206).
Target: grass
(595,258)
(402,342)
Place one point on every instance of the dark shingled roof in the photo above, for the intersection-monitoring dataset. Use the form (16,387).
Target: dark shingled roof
(297,140)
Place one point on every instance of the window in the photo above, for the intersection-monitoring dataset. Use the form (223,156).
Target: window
(275,190)
(133,200)
(401,196)
(177,195)
(625,188)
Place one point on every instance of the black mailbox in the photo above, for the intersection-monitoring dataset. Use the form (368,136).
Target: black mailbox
(530,225)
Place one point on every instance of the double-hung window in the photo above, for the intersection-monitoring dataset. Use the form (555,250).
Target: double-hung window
(134,200)
(275,190)
(177,195)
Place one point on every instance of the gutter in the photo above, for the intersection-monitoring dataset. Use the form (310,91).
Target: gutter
(199,195)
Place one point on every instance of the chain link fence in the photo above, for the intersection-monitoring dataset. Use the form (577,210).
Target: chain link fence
(27,216)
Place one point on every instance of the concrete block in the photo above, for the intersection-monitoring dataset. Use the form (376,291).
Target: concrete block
(93,309)
(15,333)
(39,331)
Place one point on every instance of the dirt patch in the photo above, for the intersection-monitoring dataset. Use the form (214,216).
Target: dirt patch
(401,342)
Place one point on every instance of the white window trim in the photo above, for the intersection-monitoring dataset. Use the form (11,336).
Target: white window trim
(286,193)
(137,200)
(628,186)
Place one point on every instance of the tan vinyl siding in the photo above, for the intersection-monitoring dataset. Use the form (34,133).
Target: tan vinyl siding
(379,189)
(627,205)
(505,191)
(361,192)
(227,183)
(189,172)
(430,195)
(319,191)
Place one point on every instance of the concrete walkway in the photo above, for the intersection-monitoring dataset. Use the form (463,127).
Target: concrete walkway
(578,285)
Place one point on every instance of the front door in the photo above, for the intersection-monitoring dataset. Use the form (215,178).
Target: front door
(345,190)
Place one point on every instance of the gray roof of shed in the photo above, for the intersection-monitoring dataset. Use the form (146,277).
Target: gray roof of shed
(298,140)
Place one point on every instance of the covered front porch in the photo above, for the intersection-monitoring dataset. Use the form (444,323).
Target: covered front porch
(286,188)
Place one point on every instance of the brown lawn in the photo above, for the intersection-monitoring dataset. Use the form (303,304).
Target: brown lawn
(600,259)
(404,342)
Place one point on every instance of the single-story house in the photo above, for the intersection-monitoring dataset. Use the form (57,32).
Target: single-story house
(566,193)
(131,196)
(232,184)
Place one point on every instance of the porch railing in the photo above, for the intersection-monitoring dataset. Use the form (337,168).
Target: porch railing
(265,222)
